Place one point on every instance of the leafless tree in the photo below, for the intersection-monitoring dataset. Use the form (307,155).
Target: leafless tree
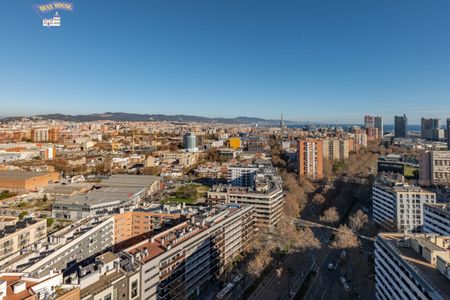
(291,206)
(345,238)
(318,199)
(306,239)
(358,220)
(259,262)
(330,215)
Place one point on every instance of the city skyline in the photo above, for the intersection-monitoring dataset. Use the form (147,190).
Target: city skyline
(326,62)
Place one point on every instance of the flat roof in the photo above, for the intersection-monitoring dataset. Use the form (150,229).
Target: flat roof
(101,284)
(107,257)
(114,189)
(422,267)
(129,180)
(184,231)
(103,195)
(15,174)
(442,207)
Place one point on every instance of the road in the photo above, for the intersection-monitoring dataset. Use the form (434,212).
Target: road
(327,283)
(294,269)
(305,223)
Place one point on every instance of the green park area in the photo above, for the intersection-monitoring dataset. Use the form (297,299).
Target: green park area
(6,194)
(188,194)
(411,172)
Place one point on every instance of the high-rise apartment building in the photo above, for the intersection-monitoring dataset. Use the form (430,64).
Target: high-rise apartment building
(69,245)
(178,261)
(53,135)
(264,193)
(429,129)
(448,134)
(242,175)
(371,122)
(397,205)
(335,148)
(434,168)
(39,135)
(436,218)
(360,140)
(412,266)
(189,141)
(310,158)
(400,126)
(16,234)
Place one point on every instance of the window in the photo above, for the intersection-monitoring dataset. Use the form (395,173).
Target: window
(134,289)
(107,297)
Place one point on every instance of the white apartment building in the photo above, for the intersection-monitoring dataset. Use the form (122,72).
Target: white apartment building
(412,266)
(264,193)
(16,234)
(436,218)
(242,175)
(64,248)
(397,205)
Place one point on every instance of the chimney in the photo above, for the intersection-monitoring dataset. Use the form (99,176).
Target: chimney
(19,287)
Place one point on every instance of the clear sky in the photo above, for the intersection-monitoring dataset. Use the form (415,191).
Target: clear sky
(317,60)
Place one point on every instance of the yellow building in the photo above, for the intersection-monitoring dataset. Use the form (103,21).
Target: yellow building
(235,143)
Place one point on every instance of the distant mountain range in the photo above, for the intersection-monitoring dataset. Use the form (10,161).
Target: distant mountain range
(120,116)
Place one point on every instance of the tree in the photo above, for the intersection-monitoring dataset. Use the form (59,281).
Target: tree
(296,198)
(50,222)
(306,239)
(358,220)
(345,238)
(318,199)
(291,206)
(307,185)
(330,215)
(259,262)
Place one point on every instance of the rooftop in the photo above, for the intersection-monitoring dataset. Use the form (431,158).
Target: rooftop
(107,257)
(103,195)
(418,263)
(396,183)
(117,188)
(10,282)
(130,180)
(444,207)
(204,219)
(12,225)
(20,175)
(101,284)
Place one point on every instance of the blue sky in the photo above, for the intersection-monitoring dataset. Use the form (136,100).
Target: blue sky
(318,60)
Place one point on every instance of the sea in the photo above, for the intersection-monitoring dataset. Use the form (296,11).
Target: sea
(386,127)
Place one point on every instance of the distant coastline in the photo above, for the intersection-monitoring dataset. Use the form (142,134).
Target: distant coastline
(387,127)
